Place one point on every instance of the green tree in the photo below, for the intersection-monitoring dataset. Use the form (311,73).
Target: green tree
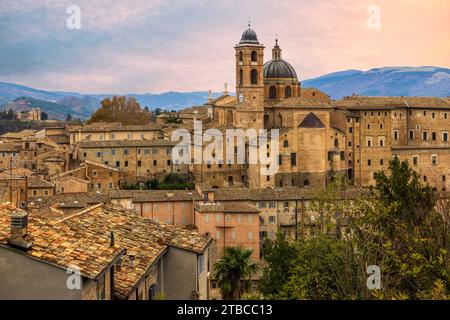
(280,256)
(234,271)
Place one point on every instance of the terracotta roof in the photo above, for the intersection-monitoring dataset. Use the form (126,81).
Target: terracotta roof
(155,195)
(9,147)
(18,135)
(63,244)
(144,240)
(101,165)
(126,143)
(36,182)
(16,173)
(114,126)
(303,103)
(367,102)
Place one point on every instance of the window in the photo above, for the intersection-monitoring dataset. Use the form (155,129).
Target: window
(254,76)
(433,136)
(94,173)
(272,92)
(99,185)
(381,162)
(368,126)
(433,115)
(369,162)
(201,263)
(99,154)
(411,134)
(254,56)
(342,155)
(241,77)
(155,162)
(287,92)
(46,192)
(445,136)
(349,143)
(241,58)
(294,159)
(84,154)
(126,152)
(139,163)
(286,143)
(381,126)
(425,135)
(381,141)
(368,141)
(330,155)
(117,164)
(415,160)
(434,159)
(169,162)
(126,163)
(395,135)
(336,143)
(350,129)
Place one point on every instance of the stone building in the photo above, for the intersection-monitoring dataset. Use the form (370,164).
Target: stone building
(320,138)
(138,159)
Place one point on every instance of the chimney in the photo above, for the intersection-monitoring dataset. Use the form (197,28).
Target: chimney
(112,243)
(19,227)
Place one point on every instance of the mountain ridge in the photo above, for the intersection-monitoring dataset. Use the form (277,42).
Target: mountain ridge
(381,81)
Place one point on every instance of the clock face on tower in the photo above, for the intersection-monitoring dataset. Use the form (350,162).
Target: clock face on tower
(241,97)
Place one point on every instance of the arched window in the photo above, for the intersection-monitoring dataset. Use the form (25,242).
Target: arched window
(241,58)
(241,77)
(336,143)
(288,92)
(285,144)
(306,182)
(254,76)
(266,120)
(272,92)
(254,56)
(280,120)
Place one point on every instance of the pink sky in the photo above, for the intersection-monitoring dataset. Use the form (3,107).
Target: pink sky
(155,46)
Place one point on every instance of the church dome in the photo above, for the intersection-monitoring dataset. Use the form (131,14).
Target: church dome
(249,36)
(278,68)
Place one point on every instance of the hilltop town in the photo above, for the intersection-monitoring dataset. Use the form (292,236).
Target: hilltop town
(108,199)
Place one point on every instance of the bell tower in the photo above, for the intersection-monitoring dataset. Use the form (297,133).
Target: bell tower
(249,80)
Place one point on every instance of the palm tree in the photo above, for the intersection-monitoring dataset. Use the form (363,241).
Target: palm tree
(233,267)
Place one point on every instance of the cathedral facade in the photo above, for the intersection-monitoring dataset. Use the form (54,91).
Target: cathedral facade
(320,138)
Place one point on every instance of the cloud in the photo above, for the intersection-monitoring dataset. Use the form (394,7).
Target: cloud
(160,45)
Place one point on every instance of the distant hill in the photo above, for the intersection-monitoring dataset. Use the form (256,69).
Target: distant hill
(54,110)
(389,81)
(60,103)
